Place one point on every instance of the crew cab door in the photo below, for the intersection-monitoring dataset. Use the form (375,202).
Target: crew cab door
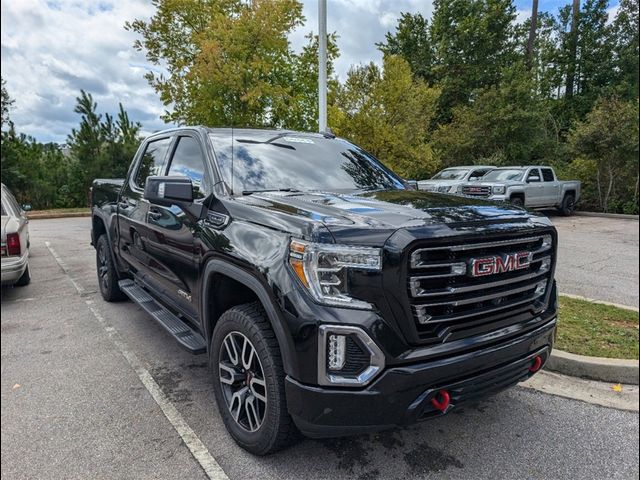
(168,239)
(133,209)
(534,191)
(551,188)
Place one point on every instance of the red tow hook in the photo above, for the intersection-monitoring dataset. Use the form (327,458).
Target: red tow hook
(441,400)
(537,363)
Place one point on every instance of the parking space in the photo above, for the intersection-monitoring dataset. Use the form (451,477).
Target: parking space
(73,406)
(598,258)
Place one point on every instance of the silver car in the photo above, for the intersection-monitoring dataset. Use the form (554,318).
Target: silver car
(15,241)
(447,180)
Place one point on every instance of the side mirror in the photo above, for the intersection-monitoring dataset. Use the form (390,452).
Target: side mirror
(26,207)
(169,191)
(533,179)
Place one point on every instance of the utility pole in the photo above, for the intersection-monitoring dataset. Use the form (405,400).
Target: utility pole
(322,65)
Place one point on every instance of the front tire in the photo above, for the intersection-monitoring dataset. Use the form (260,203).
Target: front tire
(249,380)
(517,202)
(107,275)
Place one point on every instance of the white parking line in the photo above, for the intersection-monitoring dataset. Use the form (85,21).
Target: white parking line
(189,437)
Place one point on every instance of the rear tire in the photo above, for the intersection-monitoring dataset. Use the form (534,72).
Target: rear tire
(107,275)
(25,279)
(568,205)
(259,423)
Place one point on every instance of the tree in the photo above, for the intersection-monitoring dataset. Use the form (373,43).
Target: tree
(625,47)
(7,103)
(572,47)
(100,148)
(473,42)
(608,137)
(387,112)
(412,42)
(229,62)
(506,124)
(533,26)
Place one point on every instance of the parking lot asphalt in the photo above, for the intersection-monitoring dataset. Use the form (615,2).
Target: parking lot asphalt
(73,407)
(598,258)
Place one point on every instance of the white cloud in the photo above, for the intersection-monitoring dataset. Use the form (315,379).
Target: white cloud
(53,48)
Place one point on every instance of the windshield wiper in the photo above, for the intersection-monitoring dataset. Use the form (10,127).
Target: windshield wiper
(249,192)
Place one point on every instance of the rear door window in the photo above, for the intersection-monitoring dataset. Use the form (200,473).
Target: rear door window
(153,160)
(547,175)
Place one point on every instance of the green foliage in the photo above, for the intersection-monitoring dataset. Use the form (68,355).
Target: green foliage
(473,43)
(387,112)
(100,148)
(608,138)
(230,62)
(507,124)
(46,176)
(411,40)
(7,103)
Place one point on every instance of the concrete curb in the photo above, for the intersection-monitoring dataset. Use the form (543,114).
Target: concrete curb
(600,302)
(611,370)
(45,216)
(607,215)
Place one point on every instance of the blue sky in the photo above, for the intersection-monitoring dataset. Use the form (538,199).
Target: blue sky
(53,48)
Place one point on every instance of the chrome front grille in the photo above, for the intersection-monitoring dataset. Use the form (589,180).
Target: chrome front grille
(447,301)
(476,191)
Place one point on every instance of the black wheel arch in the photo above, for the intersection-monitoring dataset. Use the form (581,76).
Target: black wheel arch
(219,266)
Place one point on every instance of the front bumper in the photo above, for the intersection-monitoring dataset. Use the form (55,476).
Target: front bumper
(13,267)
(402,394)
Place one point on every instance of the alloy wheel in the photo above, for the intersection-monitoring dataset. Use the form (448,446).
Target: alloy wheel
(242,381)
(103,268)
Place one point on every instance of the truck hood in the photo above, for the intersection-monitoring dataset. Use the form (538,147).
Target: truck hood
(383,212)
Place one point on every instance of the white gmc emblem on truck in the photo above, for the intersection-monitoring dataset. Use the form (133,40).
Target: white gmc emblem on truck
(481,267)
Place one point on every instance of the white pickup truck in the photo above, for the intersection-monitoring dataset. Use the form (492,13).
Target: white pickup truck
(533,186)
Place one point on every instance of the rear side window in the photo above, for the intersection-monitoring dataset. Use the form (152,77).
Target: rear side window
(188,161)
(547,175)
(153,160)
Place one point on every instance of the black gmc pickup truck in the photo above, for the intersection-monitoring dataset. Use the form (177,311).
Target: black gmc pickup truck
(330,297)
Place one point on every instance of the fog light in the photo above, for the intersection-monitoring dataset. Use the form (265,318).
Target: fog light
(336,353)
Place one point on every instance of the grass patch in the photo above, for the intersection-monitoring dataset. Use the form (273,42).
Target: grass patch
(588,328)
(56,211)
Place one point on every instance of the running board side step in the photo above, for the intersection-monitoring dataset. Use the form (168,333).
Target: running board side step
(186,337)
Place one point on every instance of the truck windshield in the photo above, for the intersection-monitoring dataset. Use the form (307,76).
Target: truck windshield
(504,175)
(456,174)
(303,162)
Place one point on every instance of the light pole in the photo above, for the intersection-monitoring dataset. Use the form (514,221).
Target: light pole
(322,65)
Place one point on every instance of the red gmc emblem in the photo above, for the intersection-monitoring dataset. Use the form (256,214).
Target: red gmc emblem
(481,267)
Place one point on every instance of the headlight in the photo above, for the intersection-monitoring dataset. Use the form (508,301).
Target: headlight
(322,269)
(498,190)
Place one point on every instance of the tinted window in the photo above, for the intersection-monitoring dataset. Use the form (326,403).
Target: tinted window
(152,161)
(4,212)
(271,161)
(188,161)
(534,175)
(476,174)
(547,175)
